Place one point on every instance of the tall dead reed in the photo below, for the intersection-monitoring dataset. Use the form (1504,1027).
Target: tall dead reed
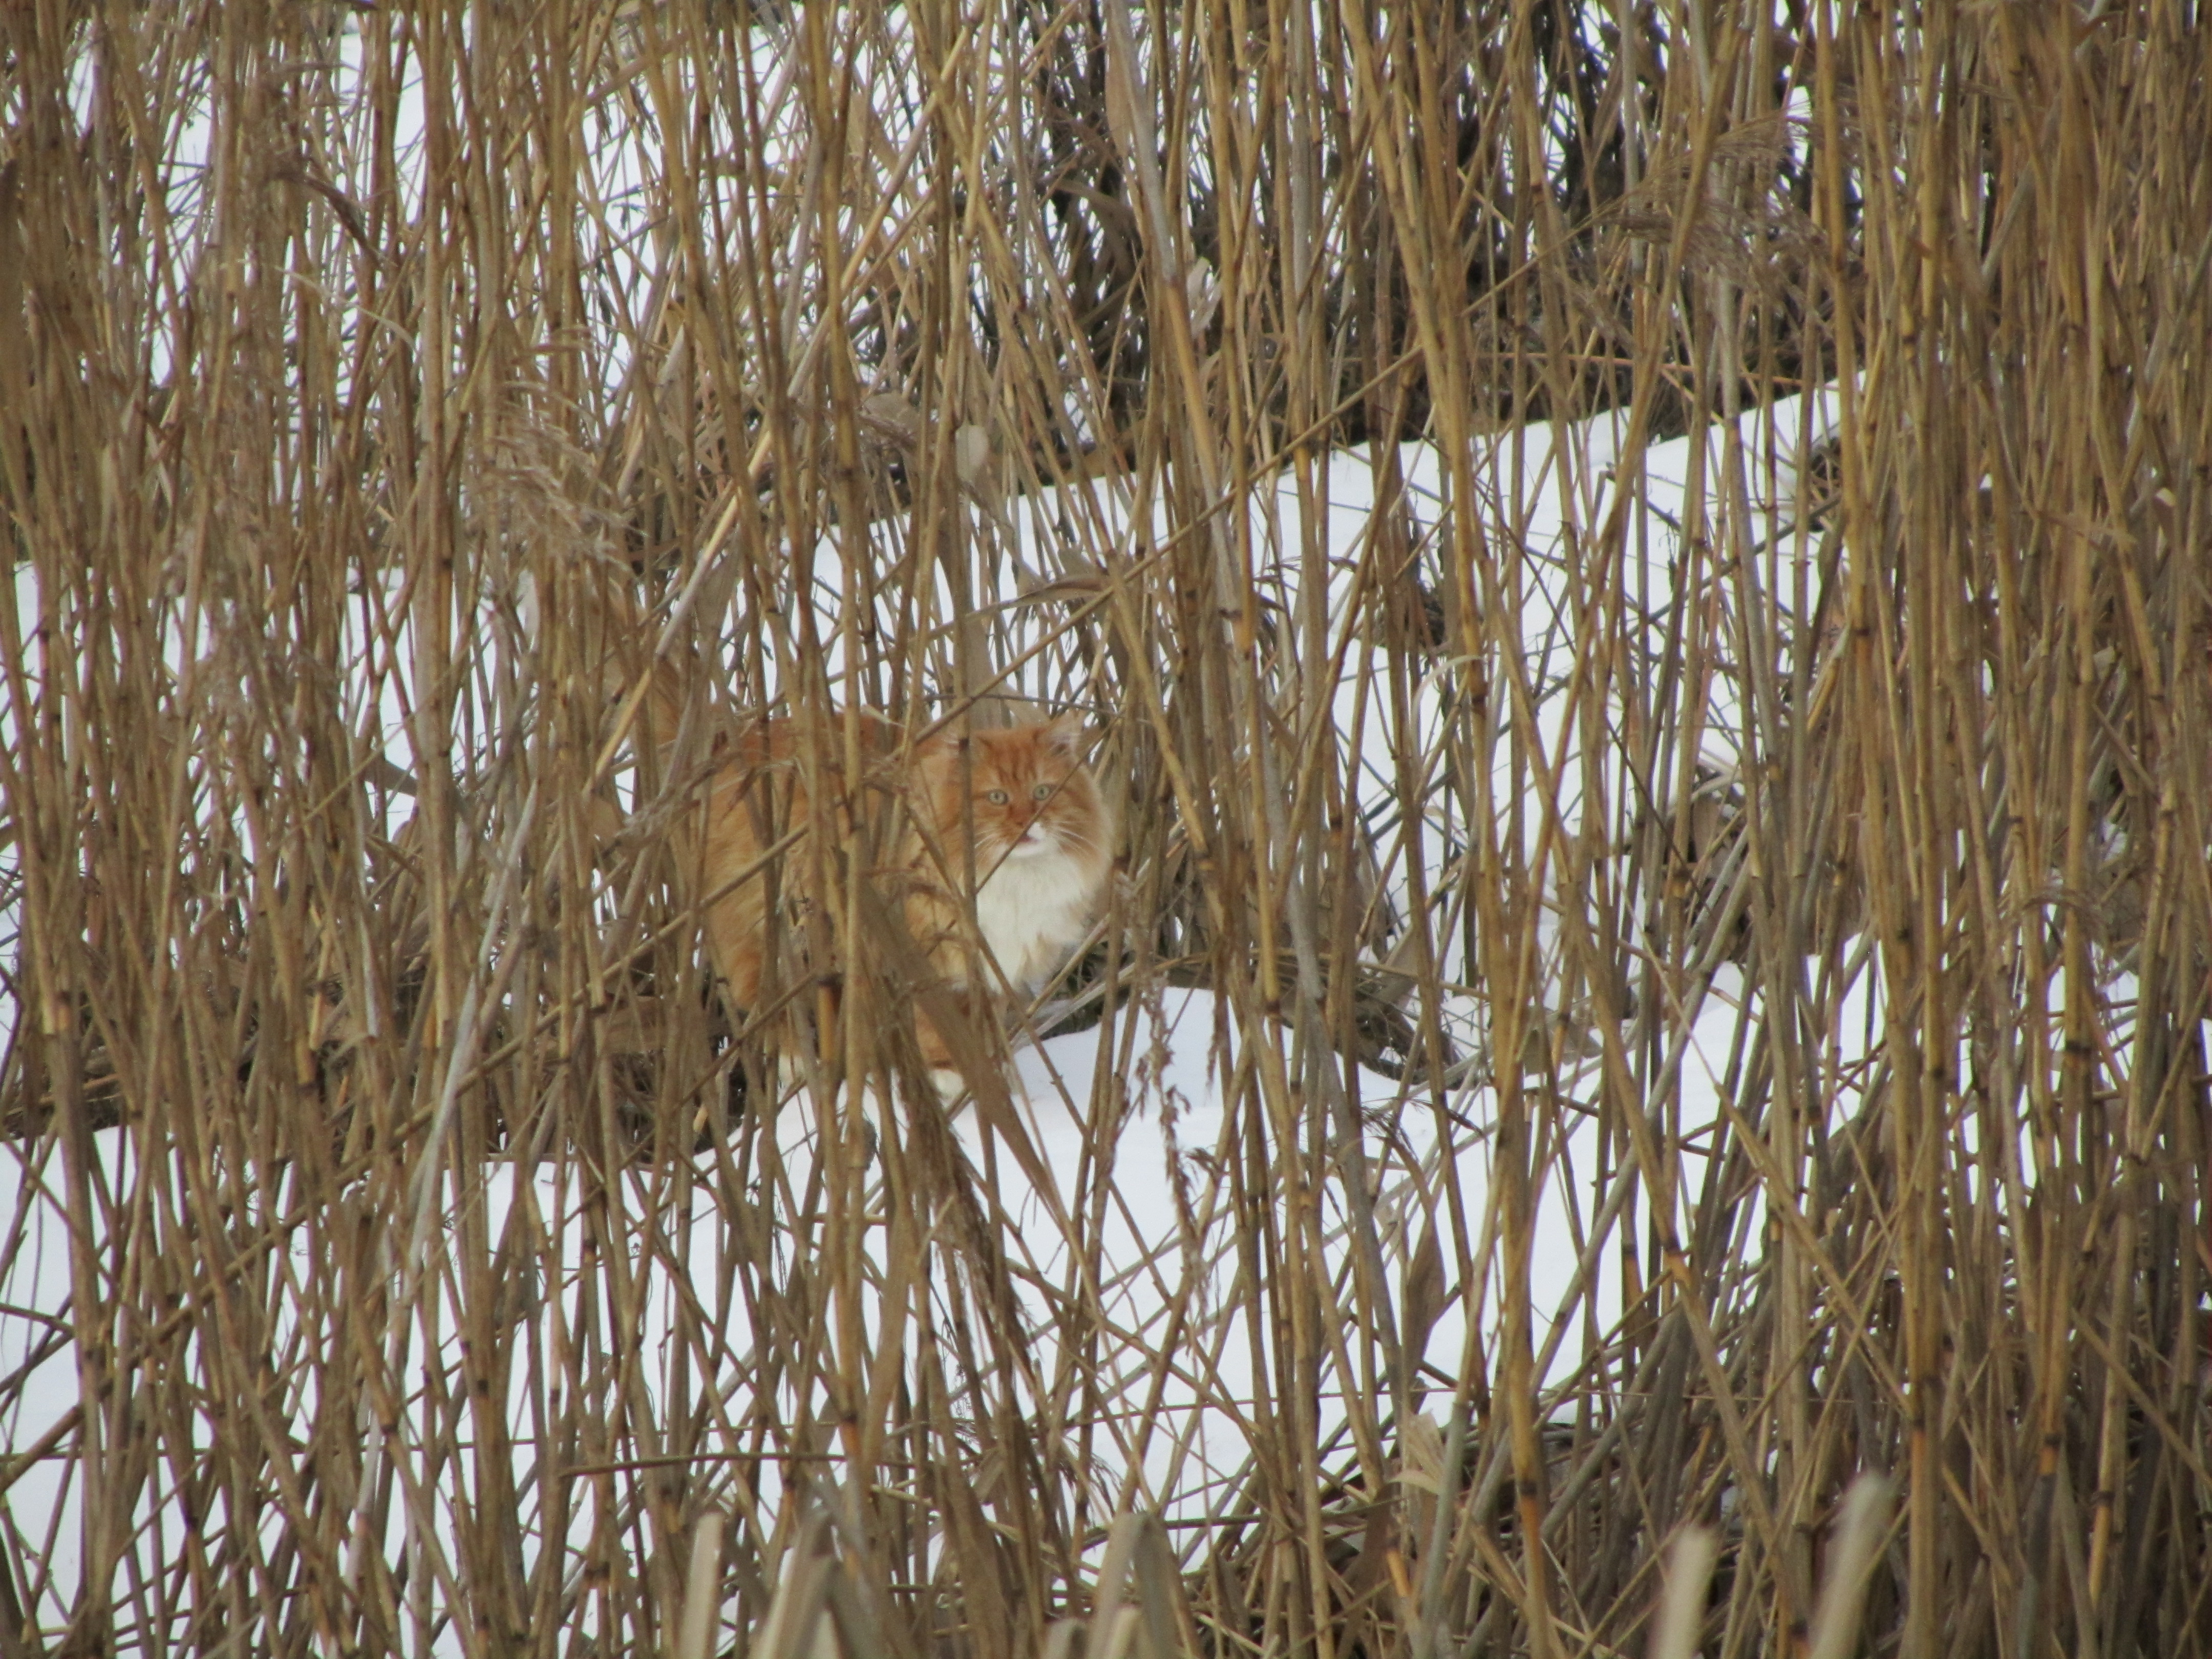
(362,368)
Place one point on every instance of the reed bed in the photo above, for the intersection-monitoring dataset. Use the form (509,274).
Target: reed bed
(382,392)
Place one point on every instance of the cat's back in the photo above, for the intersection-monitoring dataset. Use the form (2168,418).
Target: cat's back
(768,766)
(763,739)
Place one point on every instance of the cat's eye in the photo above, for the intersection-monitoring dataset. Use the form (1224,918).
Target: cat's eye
(1042,791)
(997,798)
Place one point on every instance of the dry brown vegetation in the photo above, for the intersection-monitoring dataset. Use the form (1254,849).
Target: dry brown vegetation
(323,327)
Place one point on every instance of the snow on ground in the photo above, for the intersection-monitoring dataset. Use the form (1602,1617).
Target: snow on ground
(1164,1068)
(1163,1254)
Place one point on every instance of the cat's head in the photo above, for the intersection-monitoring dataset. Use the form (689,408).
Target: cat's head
(1026,791)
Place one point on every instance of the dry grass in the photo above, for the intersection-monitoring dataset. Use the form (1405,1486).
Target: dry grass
(282,437)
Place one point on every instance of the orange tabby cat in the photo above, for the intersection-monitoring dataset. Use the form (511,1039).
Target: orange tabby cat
(1012,818)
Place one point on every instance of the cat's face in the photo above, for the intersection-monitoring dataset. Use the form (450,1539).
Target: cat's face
(1026,792)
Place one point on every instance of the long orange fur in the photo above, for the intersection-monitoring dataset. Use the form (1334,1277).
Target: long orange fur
(991,850)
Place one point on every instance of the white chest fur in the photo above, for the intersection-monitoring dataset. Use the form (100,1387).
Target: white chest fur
(1031,911)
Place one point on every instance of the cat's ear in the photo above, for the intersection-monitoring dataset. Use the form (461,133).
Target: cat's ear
(1064,734)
